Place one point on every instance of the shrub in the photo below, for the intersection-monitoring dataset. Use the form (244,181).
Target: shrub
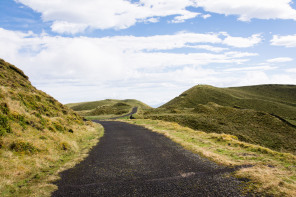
(25,147)
(43,137)
(4,108)
(58,127)
(65,146)
(4,125)
(20,119)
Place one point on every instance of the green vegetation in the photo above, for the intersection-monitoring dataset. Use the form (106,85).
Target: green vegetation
(116,109)
(274,99)
(39,137)
(271,172)
(107,108)
(262,115)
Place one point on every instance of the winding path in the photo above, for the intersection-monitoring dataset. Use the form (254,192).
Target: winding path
(133,161)
(134,110)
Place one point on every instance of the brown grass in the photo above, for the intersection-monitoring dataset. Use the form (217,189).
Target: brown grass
(39,137)
(31,174)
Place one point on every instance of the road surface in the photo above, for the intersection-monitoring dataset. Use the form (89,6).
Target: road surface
(133,161)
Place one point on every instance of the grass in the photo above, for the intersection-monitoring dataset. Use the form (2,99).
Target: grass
(262,114)
(103,117)
(39,137)
(107,108)
(108,103)
(34,160)
(108,116)
(248,125)
(274,99)
(272,172)
(116,109)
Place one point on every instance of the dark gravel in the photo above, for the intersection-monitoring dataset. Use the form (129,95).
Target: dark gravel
(133,161)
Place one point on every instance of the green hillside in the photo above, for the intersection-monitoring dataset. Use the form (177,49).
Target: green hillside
(261,115)
(274,99)
(107,107)
(108,102)
(38,136)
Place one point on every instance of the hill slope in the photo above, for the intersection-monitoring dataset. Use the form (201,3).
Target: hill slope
(37,135)
(257,114)
(273,99)
(108,106)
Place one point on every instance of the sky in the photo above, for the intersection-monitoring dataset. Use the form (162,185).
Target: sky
(150,50)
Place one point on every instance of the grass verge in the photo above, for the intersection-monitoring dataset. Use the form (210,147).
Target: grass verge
(273,173)
(30,173)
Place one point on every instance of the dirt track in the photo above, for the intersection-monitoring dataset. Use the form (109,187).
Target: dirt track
(133,161)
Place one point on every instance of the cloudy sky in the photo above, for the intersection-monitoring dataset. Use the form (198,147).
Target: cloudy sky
(151,50)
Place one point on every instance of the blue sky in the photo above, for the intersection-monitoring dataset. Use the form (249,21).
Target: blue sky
(151,50)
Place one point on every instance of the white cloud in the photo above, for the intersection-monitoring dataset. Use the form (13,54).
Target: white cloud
(70,16)
(242,42)
(280,60)
(291,70)
(145,68)
(252,68)
(161,42)
(254,78)
(249,9)
(152,20)
(182,18)
(257,77)
(208,47)
(66,27)
(286,41)
(205,16)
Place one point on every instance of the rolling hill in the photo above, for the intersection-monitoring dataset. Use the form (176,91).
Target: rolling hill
(263,114)
(274,99)
(38,136)
(107,107)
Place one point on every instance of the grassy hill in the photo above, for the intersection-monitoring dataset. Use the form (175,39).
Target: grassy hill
(261,115)
(107,107)
(38,136)
(274,99)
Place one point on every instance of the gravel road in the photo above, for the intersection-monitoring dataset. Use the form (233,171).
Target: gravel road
(133,161)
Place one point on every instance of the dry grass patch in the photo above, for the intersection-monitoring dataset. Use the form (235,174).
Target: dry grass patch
(272,172)
(30,162)
(39,136)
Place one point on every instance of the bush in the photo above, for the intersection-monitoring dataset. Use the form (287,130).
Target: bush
(25,147)
(65,146)
(4,108)
(58,127)
(4,125)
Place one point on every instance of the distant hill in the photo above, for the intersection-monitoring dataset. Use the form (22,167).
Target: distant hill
(37,134)
(263,114)
(108,106)
(274,99)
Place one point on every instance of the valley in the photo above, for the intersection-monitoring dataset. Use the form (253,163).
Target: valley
(253,127)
